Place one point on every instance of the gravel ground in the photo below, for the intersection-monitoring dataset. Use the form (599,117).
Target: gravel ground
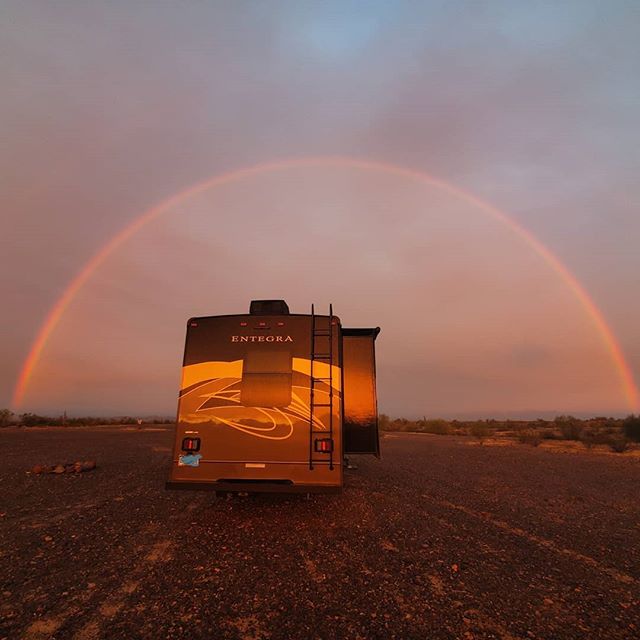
(442,538)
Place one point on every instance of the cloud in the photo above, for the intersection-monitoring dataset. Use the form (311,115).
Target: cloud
(109,109)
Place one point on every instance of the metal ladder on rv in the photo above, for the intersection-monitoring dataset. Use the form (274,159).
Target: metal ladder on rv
(320,455)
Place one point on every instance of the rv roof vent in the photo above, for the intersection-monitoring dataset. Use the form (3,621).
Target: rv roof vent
(269,308)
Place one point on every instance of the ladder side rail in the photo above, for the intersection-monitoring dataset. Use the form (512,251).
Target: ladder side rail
(331,384)
(311,384)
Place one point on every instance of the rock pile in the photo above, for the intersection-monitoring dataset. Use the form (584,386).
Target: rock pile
(67,467)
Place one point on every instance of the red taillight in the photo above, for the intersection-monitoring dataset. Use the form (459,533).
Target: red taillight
(280,324)
(191,444)
(262,324)
(243,324)
(324,445)
(193,324)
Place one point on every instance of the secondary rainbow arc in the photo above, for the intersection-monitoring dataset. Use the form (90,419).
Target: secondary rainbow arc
(77,283)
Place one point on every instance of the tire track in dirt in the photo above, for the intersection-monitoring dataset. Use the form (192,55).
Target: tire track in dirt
(153,553)
(160,552)
(544,543)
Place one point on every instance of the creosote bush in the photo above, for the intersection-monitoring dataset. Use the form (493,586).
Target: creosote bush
(619,444)
(530,436)
(6,417)
(570,427)
(436,426)
(631,427)
(592,437)
(480,431)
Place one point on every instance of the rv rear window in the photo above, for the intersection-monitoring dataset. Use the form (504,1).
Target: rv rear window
(266,379)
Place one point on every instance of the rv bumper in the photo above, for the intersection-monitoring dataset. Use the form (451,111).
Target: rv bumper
(252,487)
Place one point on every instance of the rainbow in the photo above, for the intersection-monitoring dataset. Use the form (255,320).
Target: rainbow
(57,311)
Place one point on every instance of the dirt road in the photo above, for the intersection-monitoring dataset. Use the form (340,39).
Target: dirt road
(442,538)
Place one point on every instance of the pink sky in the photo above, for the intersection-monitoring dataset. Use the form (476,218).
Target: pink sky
(109,111)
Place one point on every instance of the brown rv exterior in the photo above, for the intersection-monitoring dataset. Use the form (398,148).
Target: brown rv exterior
(250,417)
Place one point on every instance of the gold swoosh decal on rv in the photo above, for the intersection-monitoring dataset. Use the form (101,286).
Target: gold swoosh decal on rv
(320,370)
(194,373)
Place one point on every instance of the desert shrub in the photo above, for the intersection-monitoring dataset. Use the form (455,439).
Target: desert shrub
(631,427)
(401,424)
(619,444)
(496,426)
(395,425)
(530,436)
(570,427)
(605,425)
(6,417)
(593,437)
(436,426)
(588,438)
(480,431)
(34,420)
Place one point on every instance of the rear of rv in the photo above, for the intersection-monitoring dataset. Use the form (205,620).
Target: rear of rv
(260,404)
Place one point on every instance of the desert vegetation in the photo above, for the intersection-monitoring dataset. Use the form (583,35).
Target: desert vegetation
(617,434)
(8,418)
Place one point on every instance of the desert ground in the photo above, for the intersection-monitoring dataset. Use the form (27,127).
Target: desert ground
(441,538)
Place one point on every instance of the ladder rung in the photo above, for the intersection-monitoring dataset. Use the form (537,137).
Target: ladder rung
(321,332)
(322,356)
(322,404)
(321,379)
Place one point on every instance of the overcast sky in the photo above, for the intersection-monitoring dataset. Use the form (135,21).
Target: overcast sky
(108,108)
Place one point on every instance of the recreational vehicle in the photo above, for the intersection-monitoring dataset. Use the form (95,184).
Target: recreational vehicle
(273,401)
